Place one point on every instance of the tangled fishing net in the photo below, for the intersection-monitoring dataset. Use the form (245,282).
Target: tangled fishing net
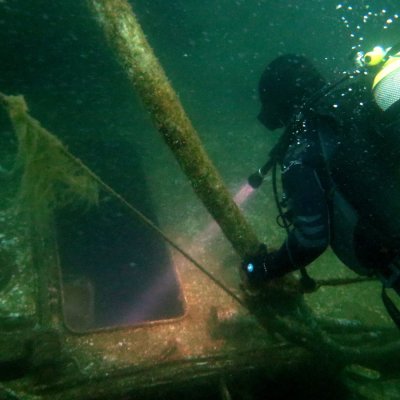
(49,176)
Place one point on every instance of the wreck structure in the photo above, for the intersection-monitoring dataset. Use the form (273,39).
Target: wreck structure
(211,337)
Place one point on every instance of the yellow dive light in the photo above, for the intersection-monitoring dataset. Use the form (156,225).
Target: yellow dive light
(374,57)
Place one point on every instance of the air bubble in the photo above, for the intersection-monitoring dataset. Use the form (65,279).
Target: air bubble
(368,14)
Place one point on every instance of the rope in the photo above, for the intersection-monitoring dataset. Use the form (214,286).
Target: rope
(320,339)
(149,223)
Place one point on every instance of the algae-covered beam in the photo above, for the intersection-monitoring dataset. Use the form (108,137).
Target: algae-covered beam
(129,43)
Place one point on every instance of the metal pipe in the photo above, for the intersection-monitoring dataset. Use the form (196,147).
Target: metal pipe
(129,43)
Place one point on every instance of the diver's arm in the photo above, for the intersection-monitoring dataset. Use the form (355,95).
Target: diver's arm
(309,236)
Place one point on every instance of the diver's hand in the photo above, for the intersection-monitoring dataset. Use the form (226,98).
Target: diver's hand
(253,269)
(259,268)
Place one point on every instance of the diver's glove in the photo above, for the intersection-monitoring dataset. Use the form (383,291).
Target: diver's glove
(260,268)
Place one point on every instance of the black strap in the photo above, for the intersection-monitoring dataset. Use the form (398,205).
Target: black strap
(392,310)
(308,284)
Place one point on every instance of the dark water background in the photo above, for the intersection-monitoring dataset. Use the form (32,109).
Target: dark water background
(53,53)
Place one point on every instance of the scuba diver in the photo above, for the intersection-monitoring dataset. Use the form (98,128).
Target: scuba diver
(338,157)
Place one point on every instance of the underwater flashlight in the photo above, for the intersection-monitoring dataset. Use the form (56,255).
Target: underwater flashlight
(255,180)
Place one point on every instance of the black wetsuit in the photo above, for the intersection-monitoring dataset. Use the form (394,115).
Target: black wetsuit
(341,178)
(343,153)
(306,185)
